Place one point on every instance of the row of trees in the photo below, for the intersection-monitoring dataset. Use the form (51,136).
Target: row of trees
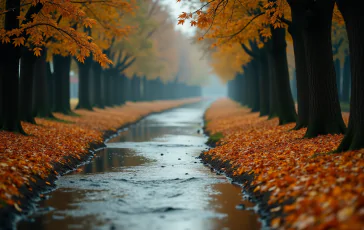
(260,30)
(122,50)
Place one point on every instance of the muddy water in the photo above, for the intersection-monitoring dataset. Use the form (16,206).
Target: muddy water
(147,178)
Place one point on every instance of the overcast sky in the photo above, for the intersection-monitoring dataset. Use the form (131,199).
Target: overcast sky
(176,10)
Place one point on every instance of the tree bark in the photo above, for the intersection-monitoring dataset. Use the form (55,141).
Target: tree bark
(9,61)
(241,84)
(346,80)
(354,20)
(285,106)
(61,67)
(41,106)
(296,31)
(84,84)
(127,89)
(123,81)
(143,90)
(135,88)
(116,90)
(338,76)
(66,99)
(51,86)
(324,108)
(273,102)
(253,76)
(106,87)
(98,100)
(26,85)
(294,86)
(264,83)
(146,89)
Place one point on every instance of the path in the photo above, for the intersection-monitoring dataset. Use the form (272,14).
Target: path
(147,178)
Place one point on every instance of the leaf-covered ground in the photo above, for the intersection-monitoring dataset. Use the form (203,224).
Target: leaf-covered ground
(327,189)
(49,142)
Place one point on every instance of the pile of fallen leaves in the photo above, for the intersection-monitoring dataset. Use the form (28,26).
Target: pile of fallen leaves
(327,189)
(55,141)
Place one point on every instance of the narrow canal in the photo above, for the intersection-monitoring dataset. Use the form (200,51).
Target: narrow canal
(148,177)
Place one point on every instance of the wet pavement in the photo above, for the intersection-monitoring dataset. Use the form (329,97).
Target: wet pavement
(148,177)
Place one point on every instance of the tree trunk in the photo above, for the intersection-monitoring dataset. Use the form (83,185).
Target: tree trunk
(111,88)
(61,75)
(135,88)
(354,20)
(106,88)
(51,86)
(143,90)
(98,100)
(251,87)
(66,98)
(298,20)
(146,89)
(273,104)
(58,70)
(324,108)
(338,76)
(127,89)
(294,86)
(264,83)
(240,89)
(41,106)
(9,61)
(122,89)
(84,84)
(26,85)
(116,89)
(346,80)
(285,106)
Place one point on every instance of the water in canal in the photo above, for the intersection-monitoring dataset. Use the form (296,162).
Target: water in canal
(148,177)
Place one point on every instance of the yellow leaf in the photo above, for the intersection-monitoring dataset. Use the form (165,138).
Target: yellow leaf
(18,41)
(276,222)
(37,51)
(16,206)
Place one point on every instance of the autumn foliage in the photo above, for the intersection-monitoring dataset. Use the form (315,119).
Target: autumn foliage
(327,189)
(22,158)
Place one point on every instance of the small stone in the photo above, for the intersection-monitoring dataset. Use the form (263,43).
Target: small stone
(179,159)
(240,206)
(162,154)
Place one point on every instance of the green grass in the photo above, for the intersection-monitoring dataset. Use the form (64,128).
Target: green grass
(214,138)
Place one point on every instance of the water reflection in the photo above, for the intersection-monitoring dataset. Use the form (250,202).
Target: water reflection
(225,201)
(112,159)
(147,178)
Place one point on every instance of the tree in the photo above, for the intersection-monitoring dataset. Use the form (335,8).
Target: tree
(229,22)
(9,65)
(35,26)
(324,108)
(354,21)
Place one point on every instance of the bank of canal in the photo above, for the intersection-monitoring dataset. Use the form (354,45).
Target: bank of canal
(148,177)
